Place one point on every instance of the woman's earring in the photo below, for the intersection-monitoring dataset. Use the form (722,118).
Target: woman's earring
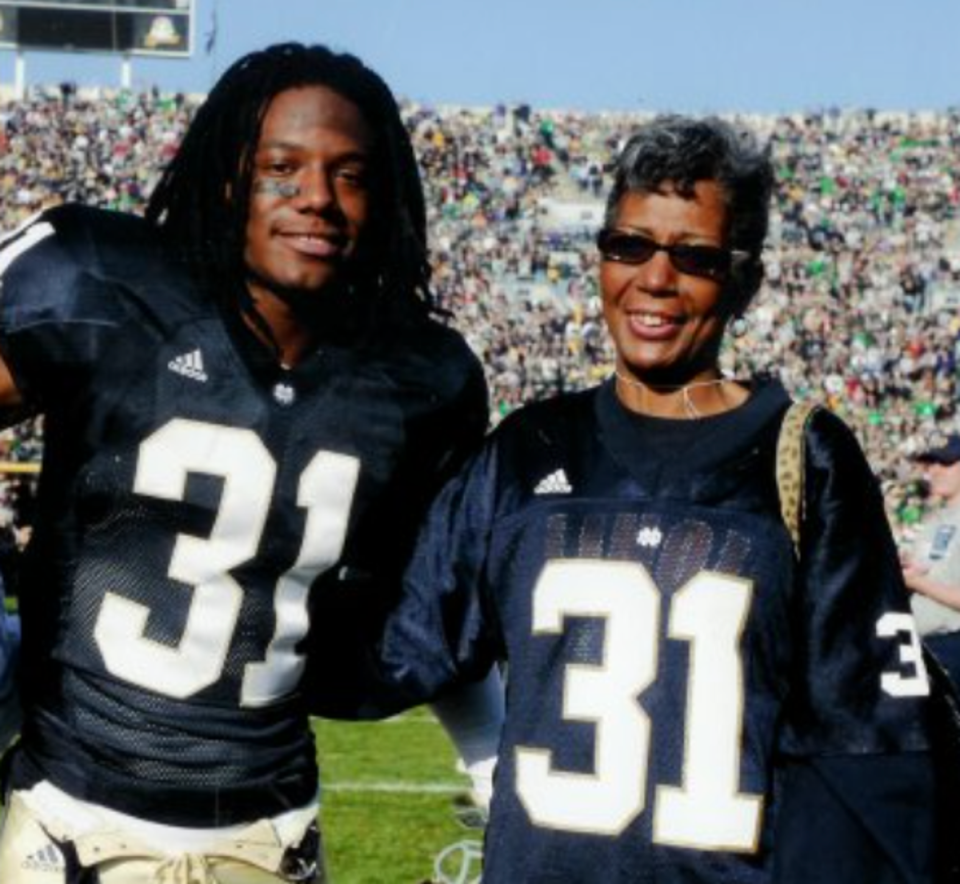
(739,327)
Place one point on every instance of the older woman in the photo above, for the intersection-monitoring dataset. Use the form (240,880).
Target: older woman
(680,680)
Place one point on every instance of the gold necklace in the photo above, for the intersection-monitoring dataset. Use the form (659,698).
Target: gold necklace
(684,390)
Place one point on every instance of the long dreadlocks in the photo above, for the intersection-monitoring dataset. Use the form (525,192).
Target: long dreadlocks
(201,203)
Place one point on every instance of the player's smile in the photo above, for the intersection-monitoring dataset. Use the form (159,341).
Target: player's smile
(310,194)
(327,246)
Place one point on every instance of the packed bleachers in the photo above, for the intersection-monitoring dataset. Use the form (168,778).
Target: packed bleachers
(861,307)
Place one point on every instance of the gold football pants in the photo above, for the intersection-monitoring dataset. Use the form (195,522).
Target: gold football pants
(31,853)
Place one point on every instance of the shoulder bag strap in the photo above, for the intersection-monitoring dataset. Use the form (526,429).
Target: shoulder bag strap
(790,457)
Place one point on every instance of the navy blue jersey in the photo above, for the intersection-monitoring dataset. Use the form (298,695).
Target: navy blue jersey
(663,646)
(201,511)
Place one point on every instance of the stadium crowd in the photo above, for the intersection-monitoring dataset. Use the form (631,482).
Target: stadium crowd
(860,308)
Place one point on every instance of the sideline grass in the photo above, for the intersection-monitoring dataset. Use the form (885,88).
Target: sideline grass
(388,791)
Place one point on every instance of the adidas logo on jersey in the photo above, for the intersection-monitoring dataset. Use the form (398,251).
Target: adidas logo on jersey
(190,365)
(555,483)
(47,859)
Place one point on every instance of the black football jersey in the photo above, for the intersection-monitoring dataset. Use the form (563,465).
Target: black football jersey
(201,511)
(663,646)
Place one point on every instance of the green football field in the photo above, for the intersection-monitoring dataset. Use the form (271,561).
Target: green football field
(388,798)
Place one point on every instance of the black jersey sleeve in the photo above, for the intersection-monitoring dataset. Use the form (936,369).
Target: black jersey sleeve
(433,365)
(443,631)
(59,277)
(859,685)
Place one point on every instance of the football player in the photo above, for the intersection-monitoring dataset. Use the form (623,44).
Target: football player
(248,402)
(688,700)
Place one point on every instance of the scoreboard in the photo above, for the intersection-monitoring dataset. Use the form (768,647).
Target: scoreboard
(137,27)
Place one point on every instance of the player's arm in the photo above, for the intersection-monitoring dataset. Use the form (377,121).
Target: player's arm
(471,712)
(10,710)
(30,258)
(438,643)
(347,618)
(13,408)
(442,632)
(9,394)
(472,715)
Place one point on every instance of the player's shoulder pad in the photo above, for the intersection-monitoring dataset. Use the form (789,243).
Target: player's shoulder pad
(97,240)
(66,261)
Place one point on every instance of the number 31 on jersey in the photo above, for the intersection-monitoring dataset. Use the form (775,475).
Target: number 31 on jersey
(707,810)
(248,470)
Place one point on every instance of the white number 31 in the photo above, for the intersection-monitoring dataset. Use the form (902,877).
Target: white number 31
(325,491)
(707,810)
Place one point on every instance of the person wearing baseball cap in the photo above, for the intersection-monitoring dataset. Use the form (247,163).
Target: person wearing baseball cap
(932,568)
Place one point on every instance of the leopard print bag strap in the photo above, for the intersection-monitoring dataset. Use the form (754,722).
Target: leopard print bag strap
(790,455)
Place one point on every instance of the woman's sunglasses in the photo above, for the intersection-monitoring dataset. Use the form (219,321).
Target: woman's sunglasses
(709,262)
